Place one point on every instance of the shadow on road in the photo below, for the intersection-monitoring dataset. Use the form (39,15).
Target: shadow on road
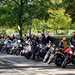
(30,63)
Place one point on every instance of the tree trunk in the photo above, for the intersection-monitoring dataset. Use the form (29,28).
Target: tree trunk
(30,27)
(20,19)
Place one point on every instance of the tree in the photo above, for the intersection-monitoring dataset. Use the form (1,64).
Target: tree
(15,14)
(59,20)
(26,9)
(21,13)
(69,6)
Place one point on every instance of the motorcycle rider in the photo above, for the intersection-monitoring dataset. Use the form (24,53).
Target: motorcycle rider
(43,39)
(72,41)
(33,47)
(63,44)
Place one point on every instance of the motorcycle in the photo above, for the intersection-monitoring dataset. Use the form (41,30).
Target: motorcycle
(68,53)
(58,57)
(42,52)
(7,46)
(63,57)
(70,57)
(49,53)
(26,51)
(52,55)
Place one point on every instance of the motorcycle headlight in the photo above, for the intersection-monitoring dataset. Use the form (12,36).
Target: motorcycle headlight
(40,46)
(70,52)
(23,51)
(20,45)
(26,41)
(52,48)
(49,45)
(5,42)
(19,41)
(12,47)
(72,46)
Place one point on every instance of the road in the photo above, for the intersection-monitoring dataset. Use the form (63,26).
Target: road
(18,65)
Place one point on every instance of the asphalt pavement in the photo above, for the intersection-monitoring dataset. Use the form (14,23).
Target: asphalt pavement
(19,65)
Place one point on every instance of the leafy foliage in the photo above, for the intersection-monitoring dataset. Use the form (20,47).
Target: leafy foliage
(40,15)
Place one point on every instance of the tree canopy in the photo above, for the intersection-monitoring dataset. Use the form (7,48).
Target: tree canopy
(37,15)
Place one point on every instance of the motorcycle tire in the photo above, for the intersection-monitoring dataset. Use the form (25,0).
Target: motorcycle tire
(28,55)
(58,60)
(64,63)
(51,58)
(46,57)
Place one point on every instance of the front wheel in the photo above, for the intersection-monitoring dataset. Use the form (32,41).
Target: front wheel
(58,60)
(51,58)
(64,64)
